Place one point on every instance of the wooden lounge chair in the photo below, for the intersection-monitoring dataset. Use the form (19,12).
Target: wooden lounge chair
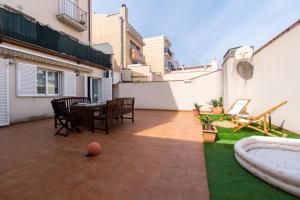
(238,109)
(261,123)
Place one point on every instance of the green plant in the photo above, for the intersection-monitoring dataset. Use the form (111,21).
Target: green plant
(214,102)
(220,102)
(197,106)
(207,122)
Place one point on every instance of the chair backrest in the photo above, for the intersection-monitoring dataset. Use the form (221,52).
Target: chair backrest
(270,111)
(238,106)
(127,102)
(59,107)
(75,100)
(69,101)
(113,108)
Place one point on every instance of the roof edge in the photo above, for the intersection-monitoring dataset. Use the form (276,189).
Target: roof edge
(278,36)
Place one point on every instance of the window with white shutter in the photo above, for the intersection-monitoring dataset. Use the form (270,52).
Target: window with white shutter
(69,88)
(106,89)
(26,79)
(4,93)
(48,82)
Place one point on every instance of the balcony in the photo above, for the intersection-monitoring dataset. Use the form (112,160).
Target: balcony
(168,52)
(72,15)
(136,57)
(17,29)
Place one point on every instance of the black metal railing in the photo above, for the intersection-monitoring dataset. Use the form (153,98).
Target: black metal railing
(168,51)
(16,26)
(71,9)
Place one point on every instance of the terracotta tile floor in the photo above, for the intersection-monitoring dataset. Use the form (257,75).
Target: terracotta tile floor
(159,156)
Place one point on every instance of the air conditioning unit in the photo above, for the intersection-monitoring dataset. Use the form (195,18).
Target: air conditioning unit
(126,75)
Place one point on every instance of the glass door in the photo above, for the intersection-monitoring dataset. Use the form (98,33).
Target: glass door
(94,89)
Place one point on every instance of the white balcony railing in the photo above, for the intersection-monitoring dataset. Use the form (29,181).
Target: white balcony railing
(70,13)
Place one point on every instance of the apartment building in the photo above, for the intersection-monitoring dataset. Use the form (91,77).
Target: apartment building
(158,54)
(126,42)
(45,53)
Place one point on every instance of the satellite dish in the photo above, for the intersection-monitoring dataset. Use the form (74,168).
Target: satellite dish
(245,69)
(243,53)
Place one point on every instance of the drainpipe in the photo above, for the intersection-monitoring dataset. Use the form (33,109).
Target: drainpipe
(122,42)
(89,12)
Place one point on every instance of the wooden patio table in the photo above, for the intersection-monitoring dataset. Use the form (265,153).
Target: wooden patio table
(86,116)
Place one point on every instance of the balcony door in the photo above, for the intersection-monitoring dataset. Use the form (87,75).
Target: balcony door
(4,93)
(94,89)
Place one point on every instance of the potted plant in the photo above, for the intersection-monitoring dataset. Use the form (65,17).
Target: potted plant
(209,130)
(217,105)
(196,110)
(214,103)
(219,108)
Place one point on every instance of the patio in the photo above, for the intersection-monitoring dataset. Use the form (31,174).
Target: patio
(159,156)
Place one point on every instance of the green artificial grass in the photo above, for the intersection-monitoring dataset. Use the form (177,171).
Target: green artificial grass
(227,179)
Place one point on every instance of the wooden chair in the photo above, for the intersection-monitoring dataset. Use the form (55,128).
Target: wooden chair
(238,109)
(127,107)
(261,123)
(112,110)
(69,101)
(64,117)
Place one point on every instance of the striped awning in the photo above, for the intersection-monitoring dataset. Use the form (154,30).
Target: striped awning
(6,50)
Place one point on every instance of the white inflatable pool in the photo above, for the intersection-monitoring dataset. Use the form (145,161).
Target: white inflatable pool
(273,159)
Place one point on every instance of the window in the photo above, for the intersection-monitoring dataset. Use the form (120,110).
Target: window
(52,82)
(48,82)
(41,81)
(134,46)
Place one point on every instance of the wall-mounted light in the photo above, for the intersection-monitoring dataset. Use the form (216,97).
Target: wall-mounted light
(10,61)
(77,73)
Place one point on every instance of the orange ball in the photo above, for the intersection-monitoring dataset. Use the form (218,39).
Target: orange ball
(93,148)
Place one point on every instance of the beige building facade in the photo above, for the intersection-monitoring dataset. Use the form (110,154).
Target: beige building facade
(146,59)
(158,54)
(116,30)
(48,13)
(46,55)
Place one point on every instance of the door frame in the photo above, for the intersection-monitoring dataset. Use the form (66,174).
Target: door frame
(89,87)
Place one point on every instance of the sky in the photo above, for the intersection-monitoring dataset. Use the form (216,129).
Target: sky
(201,30)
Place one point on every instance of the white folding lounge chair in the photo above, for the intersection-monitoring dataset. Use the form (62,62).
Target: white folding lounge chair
(238,109)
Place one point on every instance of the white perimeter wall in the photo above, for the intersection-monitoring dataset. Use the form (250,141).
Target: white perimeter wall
(277,78)
(174,95)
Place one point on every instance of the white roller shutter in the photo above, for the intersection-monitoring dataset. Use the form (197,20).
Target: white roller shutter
(85,85)
(4,93)
(69,88)
(26,79)
(106,89)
